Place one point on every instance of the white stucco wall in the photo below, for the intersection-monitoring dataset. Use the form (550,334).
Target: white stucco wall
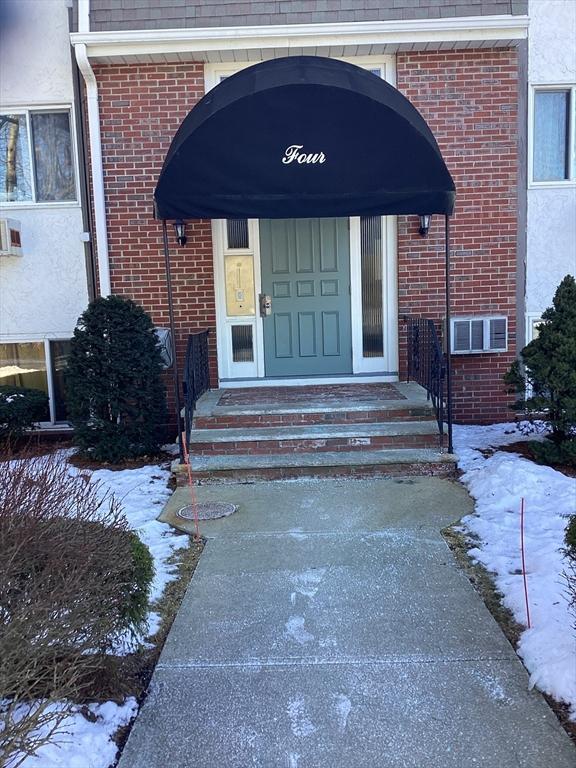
(43,292)
(552,42)
(551,241)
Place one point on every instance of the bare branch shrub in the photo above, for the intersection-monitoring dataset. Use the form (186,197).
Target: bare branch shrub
(67,583)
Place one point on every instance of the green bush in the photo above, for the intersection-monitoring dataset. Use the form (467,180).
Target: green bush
(544,379)
(116,397)
(570,539)
(20,410)
(140,572)
(570,573)
(551,453)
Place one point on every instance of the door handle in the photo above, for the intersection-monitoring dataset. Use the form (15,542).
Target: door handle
(265,305)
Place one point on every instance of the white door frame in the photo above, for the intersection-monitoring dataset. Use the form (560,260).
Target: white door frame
(253,373)
(383,368)
(388,364)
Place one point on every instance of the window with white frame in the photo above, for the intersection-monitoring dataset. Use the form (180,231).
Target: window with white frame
(38,365)
(533,323)
(553,134)
(36,157)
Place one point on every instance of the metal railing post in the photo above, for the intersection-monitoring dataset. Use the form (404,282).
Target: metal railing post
(448,337)
(175,376)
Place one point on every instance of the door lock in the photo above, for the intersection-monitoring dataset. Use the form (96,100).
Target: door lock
(265,305)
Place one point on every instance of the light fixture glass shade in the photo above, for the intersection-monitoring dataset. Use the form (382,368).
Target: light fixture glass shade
(424,224)
(180,228)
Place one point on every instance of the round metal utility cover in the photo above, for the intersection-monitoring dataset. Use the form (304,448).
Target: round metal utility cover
(209,510)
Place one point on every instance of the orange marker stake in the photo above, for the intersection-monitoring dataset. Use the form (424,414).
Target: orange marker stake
(193,496)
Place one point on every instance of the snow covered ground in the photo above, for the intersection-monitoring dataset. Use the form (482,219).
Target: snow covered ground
(87,743)
(83,742)
(142,493)
(498,482)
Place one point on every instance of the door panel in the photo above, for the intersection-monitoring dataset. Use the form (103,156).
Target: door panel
(305,266)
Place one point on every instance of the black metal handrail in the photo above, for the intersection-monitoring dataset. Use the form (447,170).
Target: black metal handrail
(427,364)
(196,379)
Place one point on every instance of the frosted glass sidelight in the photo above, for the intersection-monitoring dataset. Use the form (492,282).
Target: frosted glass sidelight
(242,347)
(371,267)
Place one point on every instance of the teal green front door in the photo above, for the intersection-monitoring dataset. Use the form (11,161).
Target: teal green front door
(305,266)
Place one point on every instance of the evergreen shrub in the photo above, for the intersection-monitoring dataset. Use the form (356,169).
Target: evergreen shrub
(21,409)
(116,396)
(544,379)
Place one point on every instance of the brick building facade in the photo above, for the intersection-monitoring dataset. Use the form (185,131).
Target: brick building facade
(469,100)
(469,97)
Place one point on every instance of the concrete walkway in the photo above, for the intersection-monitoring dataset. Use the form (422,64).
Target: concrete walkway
(327,625)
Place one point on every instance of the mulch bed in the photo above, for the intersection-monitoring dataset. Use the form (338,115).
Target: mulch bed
(142,461)
(34,446)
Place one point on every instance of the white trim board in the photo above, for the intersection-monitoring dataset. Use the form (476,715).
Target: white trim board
(334,39)
(255,370)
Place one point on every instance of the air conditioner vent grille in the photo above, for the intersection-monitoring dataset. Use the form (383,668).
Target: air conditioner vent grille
(475,335)
(10,241)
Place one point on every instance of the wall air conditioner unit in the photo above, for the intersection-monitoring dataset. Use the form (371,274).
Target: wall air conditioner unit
(10,242)
(474,335)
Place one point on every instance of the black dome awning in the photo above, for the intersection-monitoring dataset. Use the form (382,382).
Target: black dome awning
(303,137)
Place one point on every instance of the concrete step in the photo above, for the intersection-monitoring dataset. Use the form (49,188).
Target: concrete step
(319,437)
(400,462)
(264,417)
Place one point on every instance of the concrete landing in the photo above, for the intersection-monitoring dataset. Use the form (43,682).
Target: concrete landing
(328,626)
(266,406)
(254,467)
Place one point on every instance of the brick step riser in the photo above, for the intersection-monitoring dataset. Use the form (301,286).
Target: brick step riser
(302,419)
(261,447)
(440,469)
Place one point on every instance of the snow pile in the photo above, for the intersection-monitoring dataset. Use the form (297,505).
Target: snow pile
(142,494)
(85,742)
(498,482)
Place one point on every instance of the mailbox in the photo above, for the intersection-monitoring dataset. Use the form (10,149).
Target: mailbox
(240,286)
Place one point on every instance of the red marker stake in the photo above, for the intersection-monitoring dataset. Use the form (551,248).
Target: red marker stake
(192,488)
(524,562)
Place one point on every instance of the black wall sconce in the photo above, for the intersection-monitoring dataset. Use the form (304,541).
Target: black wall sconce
(180,228)
(424,224)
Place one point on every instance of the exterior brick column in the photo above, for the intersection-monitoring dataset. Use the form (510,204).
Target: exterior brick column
(469,99)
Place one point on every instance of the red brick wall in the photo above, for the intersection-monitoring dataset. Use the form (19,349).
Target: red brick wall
(141,108)
(468,97)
